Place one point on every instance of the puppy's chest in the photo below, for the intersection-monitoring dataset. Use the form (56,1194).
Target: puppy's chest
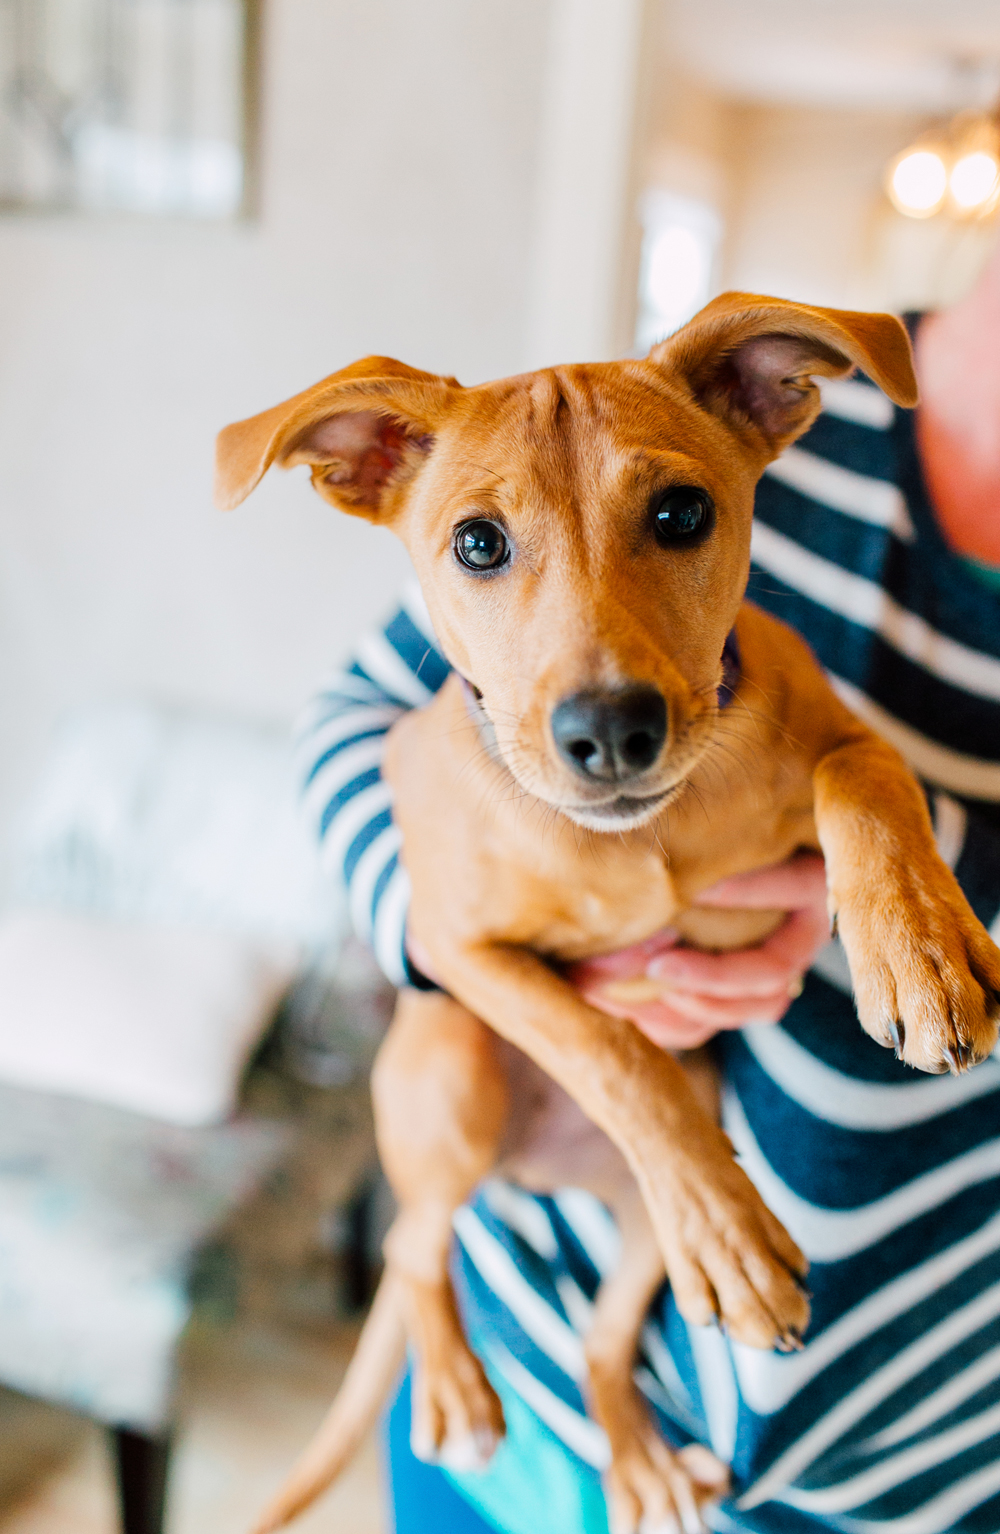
(573,893)
(571,901)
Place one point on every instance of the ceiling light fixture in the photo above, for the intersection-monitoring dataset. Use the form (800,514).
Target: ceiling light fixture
(973,179)
(918,181)
(955,169)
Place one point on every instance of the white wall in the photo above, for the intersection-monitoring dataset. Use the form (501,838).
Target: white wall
(806,200)
(603,57)
(397,215)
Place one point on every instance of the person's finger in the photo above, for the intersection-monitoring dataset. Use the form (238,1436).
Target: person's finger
(678,1013)
(799,881)
(671,1032)
(746,972)
(799,938)
(668,1028)
(721,1012)
(625,963)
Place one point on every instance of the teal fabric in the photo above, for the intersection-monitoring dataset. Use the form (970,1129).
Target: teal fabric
(533,1482)
(987,575)
(421,1499)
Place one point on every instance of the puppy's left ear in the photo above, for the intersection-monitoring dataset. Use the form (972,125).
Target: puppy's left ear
(364,431)
(752,361)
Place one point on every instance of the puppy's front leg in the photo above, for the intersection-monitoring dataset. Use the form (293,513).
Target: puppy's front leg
(926,975)
(649,1485)
(726,1255)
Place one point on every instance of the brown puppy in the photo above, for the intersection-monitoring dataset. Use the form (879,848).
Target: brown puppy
(582,539)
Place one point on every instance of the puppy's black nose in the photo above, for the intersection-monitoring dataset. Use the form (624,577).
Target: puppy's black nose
(611,736)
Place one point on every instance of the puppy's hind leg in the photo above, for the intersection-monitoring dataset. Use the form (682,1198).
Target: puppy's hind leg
(649,1485)
(440,1095)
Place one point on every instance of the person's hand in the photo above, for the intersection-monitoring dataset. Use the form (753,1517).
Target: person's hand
(705,992)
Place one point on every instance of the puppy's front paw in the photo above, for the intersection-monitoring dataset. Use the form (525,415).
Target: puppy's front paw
(926,975)
(728,1258)
(652,1490)
(457,1416)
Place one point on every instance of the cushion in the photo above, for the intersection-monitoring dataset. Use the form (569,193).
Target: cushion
(146,813)
(159,1019)
(101,1214)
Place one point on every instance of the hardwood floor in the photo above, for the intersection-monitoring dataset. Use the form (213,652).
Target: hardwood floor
(250,1397)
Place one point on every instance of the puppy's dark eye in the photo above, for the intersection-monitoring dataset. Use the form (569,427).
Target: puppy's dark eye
(681,514)
(482,545)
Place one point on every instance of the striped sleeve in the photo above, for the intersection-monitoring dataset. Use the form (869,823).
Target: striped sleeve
(977,862)
(340,745)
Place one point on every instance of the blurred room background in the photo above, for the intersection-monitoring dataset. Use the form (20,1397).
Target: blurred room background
(206,205)
(209,204)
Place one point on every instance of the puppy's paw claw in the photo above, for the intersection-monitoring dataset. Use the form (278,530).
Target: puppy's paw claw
(656,1490)
(925,986)
(422,1445)
(791,1342)
(960,1058)
(457,1416)
(468,1453)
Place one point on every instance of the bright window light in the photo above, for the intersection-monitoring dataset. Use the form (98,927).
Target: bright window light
(973,179)
(918,183)
(678,272)
(681,239)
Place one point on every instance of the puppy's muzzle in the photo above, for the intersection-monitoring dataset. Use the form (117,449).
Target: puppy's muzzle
(611,736)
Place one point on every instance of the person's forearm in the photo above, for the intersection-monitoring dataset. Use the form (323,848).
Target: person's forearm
(340,749)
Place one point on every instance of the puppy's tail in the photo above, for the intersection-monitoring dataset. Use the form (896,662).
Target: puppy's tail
(377,1359)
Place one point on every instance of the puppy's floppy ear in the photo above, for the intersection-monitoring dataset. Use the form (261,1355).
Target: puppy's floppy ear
(750,361)
(364,431)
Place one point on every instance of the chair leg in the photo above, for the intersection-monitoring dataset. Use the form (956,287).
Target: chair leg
(358,1285)
(141,1464)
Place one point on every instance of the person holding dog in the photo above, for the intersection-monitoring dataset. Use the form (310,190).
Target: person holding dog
(878,538)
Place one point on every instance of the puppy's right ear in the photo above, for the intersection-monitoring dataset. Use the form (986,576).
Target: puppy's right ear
(751,361)
(364,431)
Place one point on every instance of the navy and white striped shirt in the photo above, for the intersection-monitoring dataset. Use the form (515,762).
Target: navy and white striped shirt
(889,1420)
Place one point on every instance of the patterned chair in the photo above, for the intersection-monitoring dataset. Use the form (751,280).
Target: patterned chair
(151,816)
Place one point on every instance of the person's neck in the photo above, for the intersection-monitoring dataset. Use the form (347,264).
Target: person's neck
(958,425)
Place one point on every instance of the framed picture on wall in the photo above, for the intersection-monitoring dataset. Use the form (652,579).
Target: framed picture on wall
(128,106)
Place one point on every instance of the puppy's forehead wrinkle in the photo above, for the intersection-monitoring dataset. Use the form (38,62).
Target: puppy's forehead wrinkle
(573,453)
(484,469)
(548,407)
(555,405)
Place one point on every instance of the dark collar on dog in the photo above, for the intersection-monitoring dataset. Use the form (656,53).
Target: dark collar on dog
(732,669)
